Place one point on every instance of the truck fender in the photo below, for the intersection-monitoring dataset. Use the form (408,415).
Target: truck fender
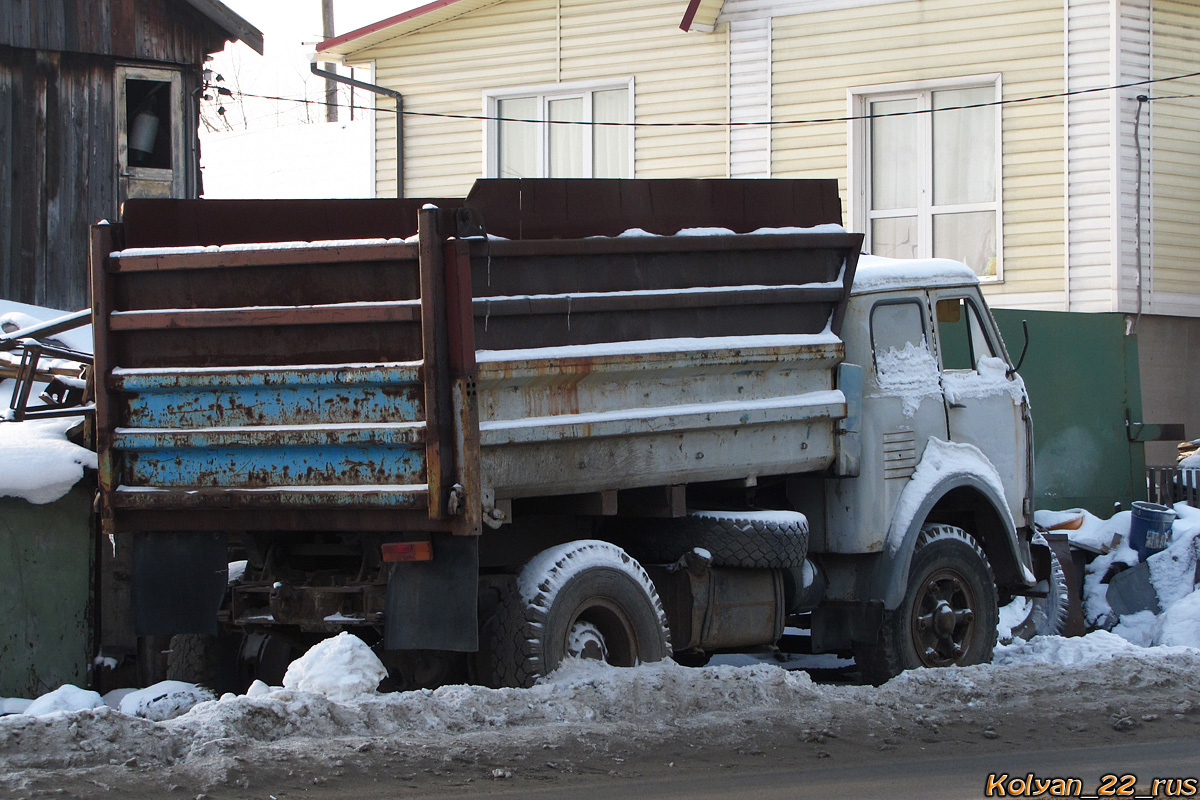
(919,500)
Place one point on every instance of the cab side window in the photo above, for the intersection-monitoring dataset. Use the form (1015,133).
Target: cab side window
(961,335)
(897,328)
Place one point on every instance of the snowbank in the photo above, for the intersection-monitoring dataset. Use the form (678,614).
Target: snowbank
(37,462)
(581,699)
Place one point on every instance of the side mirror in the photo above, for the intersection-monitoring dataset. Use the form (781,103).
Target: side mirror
(1025,349)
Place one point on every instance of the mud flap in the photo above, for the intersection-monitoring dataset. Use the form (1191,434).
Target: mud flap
(433,605)
(179,581)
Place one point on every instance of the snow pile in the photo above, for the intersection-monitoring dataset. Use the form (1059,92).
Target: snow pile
(14,705)
(163,701)
(37,462)
(586,698)
(341,668)
(911,374)
(64,699)
(1172,575)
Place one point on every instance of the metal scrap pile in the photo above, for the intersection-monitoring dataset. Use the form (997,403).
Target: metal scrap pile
(33,358)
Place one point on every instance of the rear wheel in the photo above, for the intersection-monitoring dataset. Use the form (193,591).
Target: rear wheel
(584,599)
(949,612)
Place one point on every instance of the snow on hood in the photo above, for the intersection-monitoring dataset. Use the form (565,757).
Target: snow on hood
(37,462)
(876,272)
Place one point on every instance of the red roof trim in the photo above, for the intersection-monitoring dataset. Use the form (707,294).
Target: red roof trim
(375,27)
(689,15)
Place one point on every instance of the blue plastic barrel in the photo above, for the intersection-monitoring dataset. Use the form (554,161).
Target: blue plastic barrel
(1150,528)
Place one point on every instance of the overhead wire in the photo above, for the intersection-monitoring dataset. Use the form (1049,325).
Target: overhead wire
(759,123)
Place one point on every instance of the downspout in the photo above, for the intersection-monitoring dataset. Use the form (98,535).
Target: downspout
(370,87)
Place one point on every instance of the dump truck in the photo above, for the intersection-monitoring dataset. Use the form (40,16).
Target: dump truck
(625,420)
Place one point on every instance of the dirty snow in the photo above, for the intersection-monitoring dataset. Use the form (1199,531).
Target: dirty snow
(162,701)
(37,462)
(340,668)
(910,374)
(583,699)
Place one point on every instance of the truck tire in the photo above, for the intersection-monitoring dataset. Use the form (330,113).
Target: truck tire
(1045,616)
(586,599)
(948,615)
(751,539)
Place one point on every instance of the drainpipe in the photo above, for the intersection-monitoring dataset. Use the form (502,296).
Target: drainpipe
(370,87)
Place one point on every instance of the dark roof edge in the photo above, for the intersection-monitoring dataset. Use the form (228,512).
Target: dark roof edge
(229,21)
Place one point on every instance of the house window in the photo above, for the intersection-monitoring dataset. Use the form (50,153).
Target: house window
(560,131)
(928,171)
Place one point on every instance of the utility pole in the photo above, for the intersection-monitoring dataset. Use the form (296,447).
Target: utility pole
(331,89)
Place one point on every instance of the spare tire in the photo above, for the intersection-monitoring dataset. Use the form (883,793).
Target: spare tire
(751,539)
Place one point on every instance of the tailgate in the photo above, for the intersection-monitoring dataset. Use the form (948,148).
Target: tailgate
(278,386)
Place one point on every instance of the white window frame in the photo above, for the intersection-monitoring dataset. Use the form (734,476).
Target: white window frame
(545,93)
(859,167)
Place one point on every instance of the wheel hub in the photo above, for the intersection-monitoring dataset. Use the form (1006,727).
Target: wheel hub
(943,625)
(585,640)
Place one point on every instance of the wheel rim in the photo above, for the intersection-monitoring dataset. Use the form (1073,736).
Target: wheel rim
(600,629)
(585,640)
(943,622)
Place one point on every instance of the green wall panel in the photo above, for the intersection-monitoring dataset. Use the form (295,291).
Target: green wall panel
(1082,376)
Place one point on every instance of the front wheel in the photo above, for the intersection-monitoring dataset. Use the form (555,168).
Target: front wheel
(949,612)
(584,599)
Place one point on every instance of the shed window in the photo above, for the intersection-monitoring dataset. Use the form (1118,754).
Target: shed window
(148,110)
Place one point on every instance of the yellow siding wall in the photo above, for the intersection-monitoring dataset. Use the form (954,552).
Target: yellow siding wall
(817,57)
(445,69)
(1176,148)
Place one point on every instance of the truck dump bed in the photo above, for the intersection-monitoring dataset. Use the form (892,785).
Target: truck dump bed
(369,379)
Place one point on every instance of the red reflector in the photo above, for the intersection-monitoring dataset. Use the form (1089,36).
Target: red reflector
(408,551)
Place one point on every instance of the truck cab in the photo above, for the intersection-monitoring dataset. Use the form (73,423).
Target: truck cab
(946,442)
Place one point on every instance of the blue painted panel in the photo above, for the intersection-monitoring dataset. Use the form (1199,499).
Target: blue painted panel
(406,433)
(284,405)
(260,467)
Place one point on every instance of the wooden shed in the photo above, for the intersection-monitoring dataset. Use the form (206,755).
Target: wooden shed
(99,102)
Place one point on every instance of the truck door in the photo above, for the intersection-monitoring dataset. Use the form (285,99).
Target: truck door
(985,405)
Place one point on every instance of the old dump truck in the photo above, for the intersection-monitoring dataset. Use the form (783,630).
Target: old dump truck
(612,419)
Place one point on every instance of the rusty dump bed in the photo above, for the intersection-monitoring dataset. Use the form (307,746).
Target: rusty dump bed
(342,373)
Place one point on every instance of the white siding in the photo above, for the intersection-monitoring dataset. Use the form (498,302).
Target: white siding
(750,98)
(1133,36)
(445,68)
(1091,236)
(1176,159)
(817,57)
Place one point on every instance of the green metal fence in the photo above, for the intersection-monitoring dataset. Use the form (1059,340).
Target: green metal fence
(1084,386)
